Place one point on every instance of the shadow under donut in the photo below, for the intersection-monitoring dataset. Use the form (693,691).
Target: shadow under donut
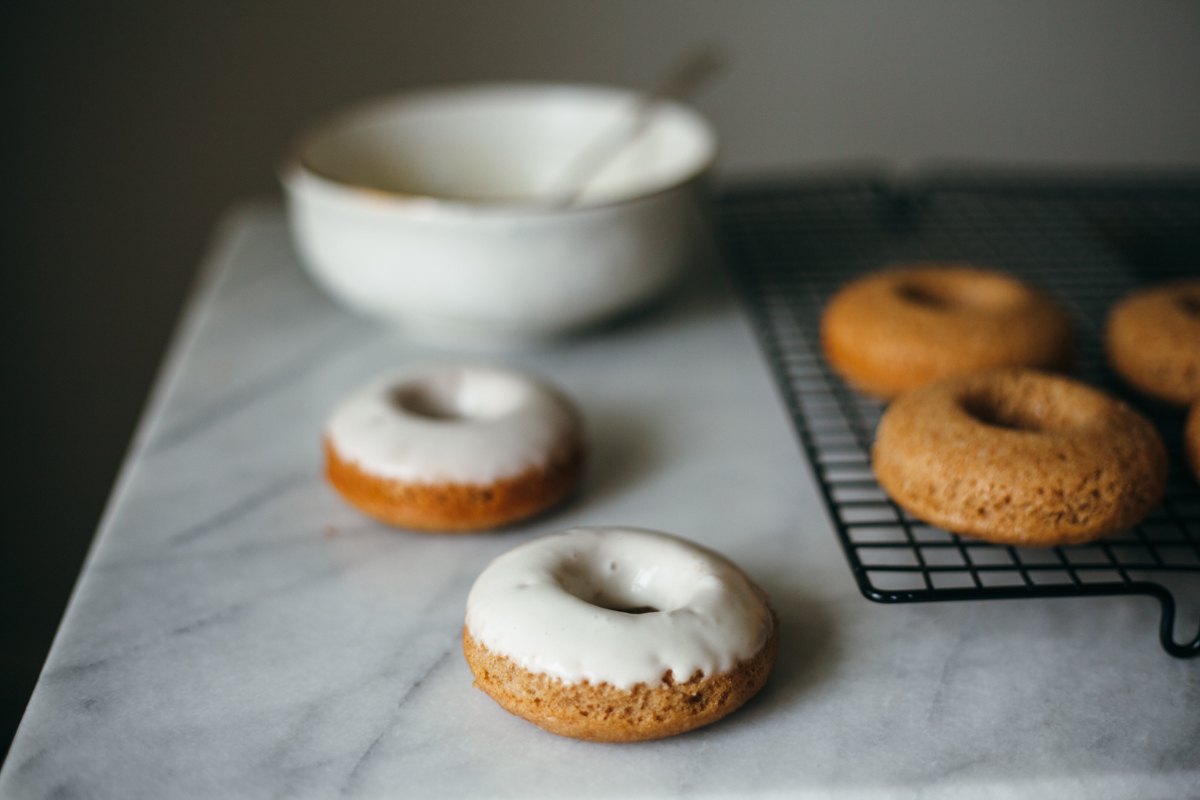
(809,651)
(808,654)
(624,452)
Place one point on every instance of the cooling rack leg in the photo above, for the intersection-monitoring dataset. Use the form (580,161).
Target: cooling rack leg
(1166,629)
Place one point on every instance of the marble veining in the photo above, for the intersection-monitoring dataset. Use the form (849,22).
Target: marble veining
(240,632)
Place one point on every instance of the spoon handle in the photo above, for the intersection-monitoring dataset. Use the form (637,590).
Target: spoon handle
(688,73)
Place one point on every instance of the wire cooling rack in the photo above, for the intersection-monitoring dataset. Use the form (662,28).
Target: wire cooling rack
(790,247)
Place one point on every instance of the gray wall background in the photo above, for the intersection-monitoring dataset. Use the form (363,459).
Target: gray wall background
(129,125)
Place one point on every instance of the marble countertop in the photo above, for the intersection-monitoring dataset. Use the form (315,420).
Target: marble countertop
(240,632)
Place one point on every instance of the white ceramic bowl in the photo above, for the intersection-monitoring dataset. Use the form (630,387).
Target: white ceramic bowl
(437,210)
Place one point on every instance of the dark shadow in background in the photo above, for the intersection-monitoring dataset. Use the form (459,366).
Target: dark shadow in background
(128,127)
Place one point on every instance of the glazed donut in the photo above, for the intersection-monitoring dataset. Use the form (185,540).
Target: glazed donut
(1191,438)
(454,448)
(904,327)
(1153,340)
(618,634)
(1019,457)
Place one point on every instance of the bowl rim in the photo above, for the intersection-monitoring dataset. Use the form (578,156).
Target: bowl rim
(294,169)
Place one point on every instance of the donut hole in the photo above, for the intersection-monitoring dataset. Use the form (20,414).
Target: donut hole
(921,296)
(459,395)
(1013,416)
(616,604)
(966,290)
(421,401)
(1033,404)
(619,586)
(1189,302)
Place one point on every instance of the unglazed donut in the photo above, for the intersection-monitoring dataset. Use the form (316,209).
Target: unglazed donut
(454,448)
(904,327)
(1019,457)
(618,634)
(1153,340)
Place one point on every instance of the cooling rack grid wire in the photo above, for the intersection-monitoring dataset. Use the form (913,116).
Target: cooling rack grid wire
(1087,242)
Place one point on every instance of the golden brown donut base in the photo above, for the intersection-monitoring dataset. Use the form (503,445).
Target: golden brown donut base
(1019,457)
(603,713)
(455,507)
(1153,340)
(900,328)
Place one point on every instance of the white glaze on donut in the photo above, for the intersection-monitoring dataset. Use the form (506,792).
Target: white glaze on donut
(454,424)
(551,604)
